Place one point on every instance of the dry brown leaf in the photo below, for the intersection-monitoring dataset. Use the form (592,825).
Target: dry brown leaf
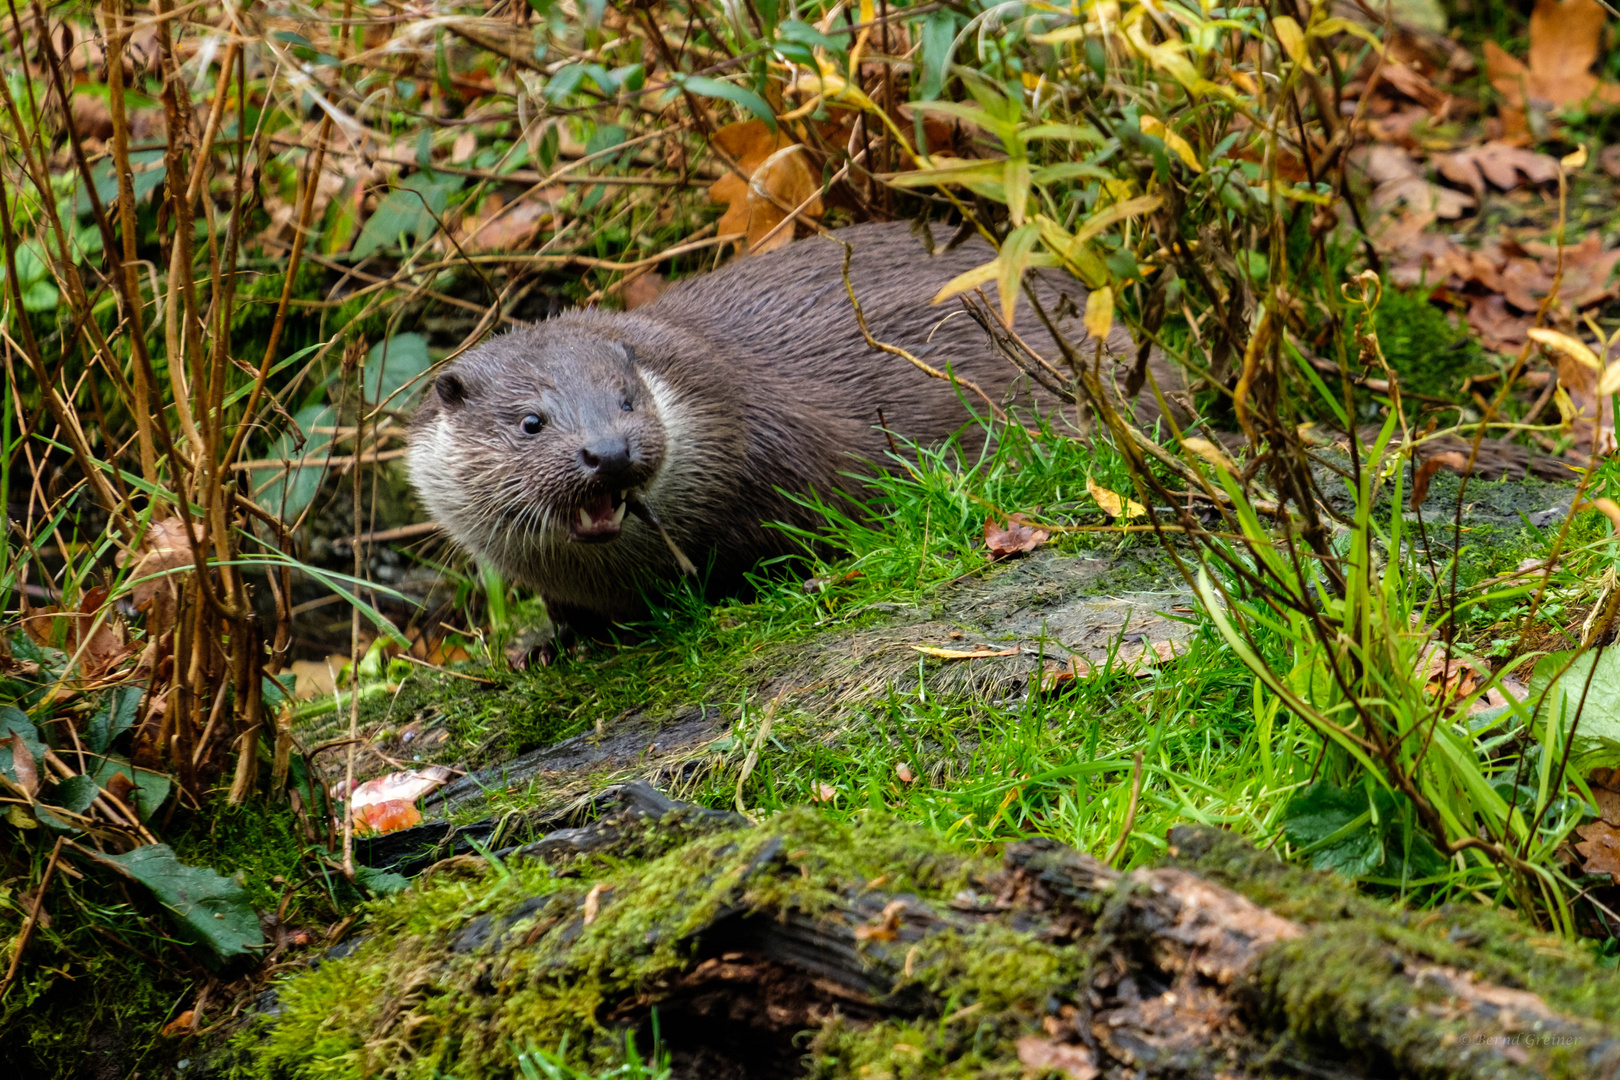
(499,227)
(1048,1055)
(1018,535)
(1599,847)
(963,654)
(180,1025)
(164,548)
(1396,178)
(1506,167)
(778,170)
(593,901)
(22,763)
(822,792)
(1565,38)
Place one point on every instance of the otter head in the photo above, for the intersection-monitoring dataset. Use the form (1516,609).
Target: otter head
(536,439)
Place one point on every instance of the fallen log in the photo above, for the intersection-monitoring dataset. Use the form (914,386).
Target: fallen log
(804,947)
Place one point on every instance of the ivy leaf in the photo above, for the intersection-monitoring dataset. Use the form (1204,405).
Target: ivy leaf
(393,364)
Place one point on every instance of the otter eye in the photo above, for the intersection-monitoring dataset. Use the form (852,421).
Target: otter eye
(532,424)
(625,406)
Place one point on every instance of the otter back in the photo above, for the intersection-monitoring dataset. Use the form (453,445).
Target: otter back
(581,455)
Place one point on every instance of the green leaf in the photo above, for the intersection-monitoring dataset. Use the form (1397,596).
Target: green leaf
(392,364)
(380,882)
(150,788)
(1597,735)
(114,718)
(704,86)
(213,909)
(288,493)
(40,296)
(938,36)
(804,34)
(564,82)
(76,793)
(413,209)
(1347,832)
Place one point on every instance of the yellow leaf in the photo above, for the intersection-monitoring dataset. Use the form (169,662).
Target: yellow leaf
(972,279)
(1576,160)
(1567,345)
(1566,408)
(1114,505)
(1099,221)
(1015,182)
(1152,125)
(962,654)
(1339,25)
(1210,453)
(1014,260)
(1292,39)
(1609,382)
(1100,313)
(868,11)
(1073,32)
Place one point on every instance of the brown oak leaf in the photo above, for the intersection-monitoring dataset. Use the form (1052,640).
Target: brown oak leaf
(1017,536)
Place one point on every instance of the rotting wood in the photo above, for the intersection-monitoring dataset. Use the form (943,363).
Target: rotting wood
(772,951)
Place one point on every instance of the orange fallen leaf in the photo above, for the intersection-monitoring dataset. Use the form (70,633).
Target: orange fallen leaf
(1017,536)
(180,1025)
(820,792)
(778,171)
(388,803)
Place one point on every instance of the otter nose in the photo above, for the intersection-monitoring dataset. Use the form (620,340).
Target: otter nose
(607,459)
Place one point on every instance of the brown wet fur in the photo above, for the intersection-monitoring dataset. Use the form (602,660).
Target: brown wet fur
(729,395)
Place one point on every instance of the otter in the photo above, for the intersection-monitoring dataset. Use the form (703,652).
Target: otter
(598,453)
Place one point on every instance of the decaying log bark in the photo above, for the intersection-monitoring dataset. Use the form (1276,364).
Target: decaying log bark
(802,948)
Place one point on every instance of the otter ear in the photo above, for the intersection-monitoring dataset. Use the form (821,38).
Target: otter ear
(629,352)
(451,390)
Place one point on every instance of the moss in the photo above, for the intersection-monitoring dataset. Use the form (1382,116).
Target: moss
(1430,352)
(431,987)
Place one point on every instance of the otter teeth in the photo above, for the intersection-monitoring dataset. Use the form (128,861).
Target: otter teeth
(618,515)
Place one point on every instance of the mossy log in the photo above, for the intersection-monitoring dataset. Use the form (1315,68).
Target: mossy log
(803,947)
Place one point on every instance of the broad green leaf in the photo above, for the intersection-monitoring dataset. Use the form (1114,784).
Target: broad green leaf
(114,718)
(287,493)
(381,882)
(212,909)
(1005,130)
(1592,685)
(392,364)
(412,210)
(804,34)
(150,788)
(40,296)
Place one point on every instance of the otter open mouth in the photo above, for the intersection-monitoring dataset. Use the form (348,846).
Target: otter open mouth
(599,520)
